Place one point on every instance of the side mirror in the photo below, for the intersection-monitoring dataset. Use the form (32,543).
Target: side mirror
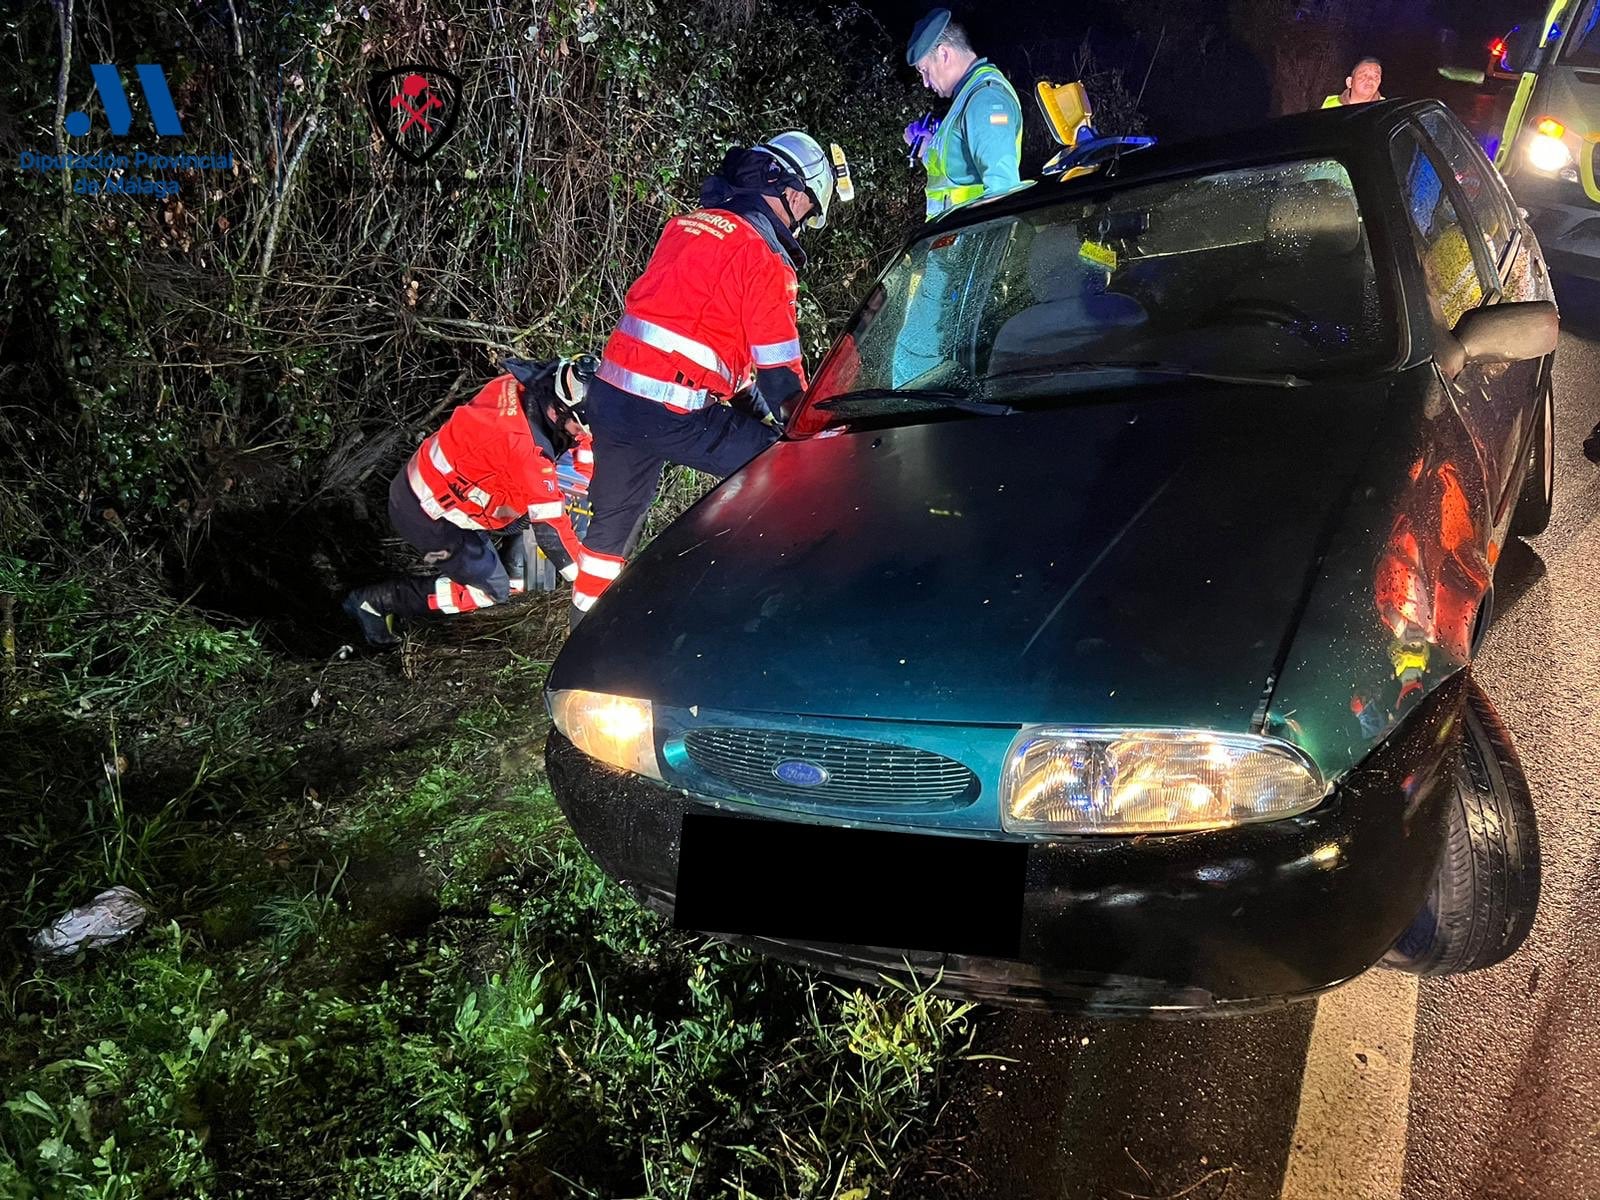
(1504,333)
(1522,52)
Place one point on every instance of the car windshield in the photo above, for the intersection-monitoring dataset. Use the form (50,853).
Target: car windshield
(1256,275)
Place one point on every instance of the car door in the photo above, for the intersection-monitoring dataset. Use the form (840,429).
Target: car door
(1463,270)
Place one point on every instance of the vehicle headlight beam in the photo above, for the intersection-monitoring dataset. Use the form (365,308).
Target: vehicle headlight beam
(1548,150)
(617,730)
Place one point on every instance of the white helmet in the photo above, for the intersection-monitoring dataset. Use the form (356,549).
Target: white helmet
(803,155)
(572,386)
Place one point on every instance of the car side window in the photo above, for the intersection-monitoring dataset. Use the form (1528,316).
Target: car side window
(1442,239)
(1484,193)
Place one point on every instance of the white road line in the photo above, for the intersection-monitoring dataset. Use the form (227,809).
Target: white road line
(1350,1135)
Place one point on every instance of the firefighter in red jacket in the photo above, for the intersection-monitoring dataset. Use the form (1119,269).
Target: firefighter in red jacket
(490,470)
(712,315)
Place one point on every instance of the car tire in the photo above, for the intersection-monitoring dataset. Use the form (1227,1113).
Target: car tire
(1538,486)
(1485,891)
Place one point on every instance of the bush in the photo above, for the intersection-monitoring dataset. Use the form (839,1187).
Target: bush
(313,308)
(549,1031)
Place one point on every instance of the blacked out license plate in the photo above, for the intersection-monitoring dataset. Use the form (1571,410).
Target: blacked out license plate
(864,887)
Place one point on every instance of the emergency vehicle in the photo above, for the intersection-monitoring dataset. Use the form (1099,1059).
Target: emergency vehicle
(1552,135)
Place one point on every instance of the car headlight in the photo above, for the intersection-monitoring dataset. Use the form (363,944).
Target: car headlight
(1064,780)
(618,730)
(1547,149)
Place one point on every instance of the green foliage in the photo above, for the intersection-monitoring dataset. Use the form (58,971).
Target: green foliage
(277,1028)
(321,290)
(90,650)
(123,714)
(551,1029)
(405,978)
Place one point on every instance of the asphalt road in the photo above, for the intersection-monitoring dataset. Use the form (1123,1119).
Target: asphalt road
(1479,1086)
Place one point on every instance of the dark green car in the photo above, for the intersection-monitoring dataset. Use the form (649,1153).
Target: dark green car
(1099,634)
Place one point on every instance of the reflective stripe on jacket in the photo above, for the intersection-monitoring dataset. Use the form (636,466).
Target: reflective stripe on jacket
(716,301)
(978,148)
(583,460)
(485,469)
(596,572)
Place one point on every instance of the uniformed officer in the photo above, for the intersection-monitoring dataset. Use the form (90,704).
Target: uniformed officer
(977,148)
(714,316)
(972,153)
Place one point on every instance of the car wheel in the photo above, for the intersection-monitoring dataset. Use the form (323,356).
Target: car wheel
(1539,485)
(1485,892)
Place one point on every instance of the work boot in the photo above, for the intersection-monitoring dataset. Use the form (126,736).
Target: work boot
(366,606)
(1591,445)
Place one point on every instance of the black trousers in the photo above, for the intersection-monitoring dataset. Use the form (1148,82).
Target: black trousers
(471,574)
(634,438)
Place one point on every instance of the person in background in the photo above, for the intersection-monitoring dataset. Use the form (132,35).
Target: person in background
(1362,86)
(490,470)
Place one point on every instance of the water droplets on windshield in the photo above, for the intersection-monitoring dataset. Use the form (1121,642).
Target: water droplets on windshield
(1260,270)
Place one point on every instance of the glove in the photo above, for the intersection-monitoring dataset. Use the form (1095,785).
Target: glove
(745,401)
(749,400)
(922,129)
(920,132)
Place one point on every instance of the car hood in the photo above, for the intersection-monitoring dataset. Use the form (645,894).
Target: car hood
(1136,559)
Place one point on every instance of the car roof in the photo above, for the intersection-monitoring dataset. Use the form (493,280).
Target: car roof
(1345,132)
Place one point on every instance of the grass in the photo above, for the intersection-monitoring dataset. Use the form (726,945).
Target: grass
(381,965)
(681,489)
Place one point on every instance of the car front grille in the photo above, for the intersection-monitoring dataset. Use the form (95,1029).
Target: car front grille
(851,771)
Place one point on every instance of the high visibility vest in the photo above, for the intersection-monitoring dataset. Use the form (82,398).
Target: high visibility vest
(952,176)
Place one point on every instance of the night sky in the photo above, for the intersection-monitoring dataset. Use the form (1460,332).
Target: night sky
(1222,85)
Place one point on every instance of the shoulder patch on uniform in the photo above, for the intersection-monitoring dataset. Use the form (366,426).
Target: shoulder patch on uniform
(999,118)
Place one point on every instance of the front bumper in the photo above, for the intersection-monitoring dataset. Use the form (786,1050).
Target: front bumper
(1171,925)
(1566,222)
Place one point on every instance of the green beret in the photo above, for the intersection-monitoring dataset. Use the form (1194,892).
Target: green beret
(926,33)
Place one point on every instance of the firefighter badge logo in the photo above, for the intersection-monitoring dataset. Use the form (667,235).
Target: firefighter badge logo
(415,108)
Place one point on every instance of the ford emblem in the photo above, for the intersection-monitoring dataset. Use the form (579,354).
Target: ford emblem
(799,773)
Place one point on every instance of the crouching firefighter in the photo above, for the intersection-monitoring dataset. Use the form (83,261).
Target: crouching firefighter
(711,320)
(490,470)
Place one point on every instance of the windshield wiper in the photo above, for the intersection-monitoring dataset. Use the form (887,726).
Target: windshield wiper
(1084,366)
(934,397)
